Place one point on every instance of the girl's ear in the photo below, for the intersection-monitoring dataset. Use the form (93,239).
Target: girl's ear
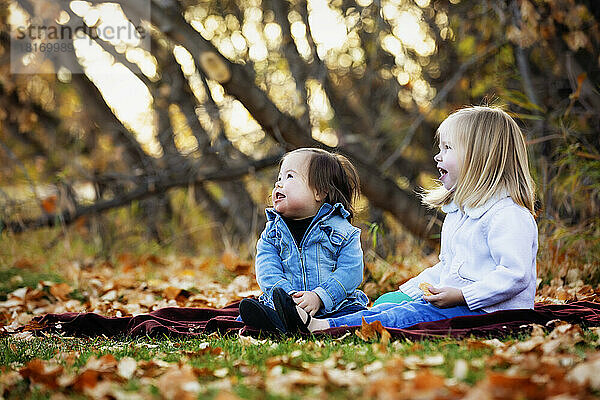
(319,197)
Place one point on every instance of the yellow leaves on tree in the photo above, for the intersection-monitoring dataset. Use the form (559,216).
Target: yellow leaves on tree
(49,204)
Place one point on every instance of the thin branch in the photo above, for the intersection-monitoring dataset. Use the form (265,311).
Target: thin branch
(296,63)
(524,70)
(442,94)
(239,82)
(20,164)
(154,187)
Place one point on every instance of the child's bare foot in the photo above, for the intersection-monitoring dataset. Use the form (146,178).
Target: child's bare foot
(315,324)
(294,317)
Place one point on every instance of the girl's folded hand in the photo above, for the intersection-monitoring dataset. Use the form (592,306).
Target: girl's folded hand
(445,297)
(308,301)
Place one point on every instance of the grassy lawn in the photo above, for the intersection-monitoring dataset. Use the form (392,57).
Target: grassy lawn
(212,367)
(557,360)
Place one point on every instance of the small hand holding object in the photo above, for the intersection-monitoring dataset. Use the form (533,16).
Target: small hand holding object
(308,301)
(442,297)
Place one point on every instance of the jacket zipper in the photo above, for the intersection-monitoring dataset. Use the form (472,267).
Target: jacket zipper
(299,248)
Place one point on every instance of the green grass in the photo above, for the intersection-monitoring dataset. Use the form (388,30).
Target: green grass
(237,358)
(47,250)
(241,359)
(14,278)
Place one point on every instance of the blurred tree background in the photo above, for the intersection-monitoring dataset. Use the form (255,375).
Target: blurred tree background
(178,146)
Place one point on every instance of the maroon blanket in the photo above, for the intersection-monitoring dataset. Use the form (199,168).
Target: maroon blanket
(189,322)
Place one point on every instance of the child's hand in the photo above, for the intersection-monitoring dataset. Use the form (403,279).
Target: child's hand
(308,301)
(445,297)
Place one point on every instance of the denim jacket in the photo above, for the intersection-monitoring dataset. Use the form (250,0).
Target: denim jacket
(328,260)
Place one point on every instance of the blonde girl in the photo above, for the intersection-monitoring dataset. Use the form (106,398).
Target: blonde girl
(489,236)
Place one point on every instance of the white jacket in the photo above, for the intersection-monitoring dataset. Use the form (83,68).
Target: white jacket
(488,252)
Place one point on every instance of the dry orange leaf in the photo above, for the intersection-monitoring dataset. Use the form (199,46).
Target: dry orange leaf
(424,286)
(502,385)
(234,264)
(87,379)
(151,368)
(152,259)
(561,294)
(105,363)
(171,292)
(226,395)
(369,331)
(213,351)
(425,380)
(60,291)
(49,204)
(23,263)
(80,224)
(40,372)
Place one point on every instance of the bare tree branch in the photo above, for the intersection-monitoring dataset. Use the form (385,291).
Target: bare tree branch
(152,187)
(237,205)
(21,166)
(296,63)
(442,94)
(238,81)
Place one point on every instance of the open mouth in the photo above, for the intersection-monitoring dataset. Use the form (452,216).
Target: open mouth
(443,172)
(279,196)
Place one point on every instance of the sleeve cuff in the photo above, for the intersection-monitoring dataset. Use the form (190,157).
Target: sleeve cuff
(325,298)
(284,284)
(411,289)
(473,301)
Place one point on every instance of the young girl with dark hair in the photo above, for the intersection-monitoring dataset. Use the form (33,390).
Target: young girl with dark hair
(309,249)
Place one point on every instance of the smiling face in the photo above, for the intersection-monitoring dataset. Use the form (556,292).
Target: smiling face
(292,196)
(448,162)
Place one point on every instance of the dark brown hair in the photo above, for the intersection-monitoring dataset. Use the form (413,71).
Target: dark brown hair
(334,176)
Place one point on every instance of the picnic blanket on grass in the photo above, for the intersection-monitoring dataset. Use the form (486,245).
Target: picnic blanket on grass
(189,322)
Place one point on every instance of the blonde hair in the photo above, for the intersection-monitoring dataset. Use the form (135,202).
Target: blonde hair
(494,160)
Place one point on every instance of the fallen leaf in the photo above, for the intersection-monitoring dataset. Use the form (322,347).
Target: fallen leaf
(85,380)
(213,351)
(60,291)
(152,368)
(178,383)
(39,371)
(284,384)
(513,387)
(23,263)
(233,263)
(587,373)
(171,292)
(49,204)
(426,380)
(424,286)
(226,395)
(369,331)
(126,367)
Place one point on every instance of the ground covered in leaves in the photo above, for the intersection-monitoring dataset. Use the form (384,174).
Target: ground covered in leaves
(559,361)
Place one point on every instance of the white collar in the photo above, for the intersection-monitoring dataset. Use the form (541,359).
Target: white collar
(476,212)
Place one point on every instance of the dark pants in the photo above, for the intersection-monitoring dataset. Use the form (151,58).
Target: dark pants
(352,308)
